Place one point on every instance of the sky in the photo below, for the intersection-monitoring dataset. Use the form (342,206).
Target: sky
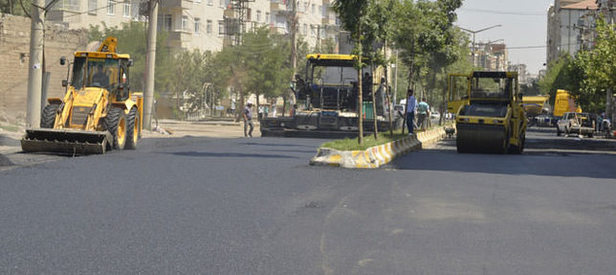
(524,24)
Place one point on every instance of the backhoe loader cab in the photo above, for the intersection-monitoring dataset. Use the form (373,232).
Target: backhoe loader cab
(98,111)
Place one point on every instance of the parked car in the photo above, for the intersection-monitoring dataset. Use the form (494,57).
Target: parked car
(576,123)
(544,120)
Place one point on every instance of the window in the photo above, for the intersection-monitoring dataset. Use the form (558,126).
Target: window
(314,8)
(197,25)
(208,27)
(267,18)
(198,1)
(92,6)
(184,22)
(210,2)
(126,8)
(258,15)
(167,22)
(221,27)
(222,4)
(110,7)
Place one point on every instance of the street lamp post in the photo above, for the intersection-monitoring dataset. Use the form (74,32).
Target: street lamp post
(476,32)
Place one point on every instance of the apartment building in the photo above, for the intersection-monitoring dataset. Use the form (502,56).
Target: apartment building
(569,27)
(492,56)
(193,24)
(608,9)
(81,14)
(523,75)
(207,25)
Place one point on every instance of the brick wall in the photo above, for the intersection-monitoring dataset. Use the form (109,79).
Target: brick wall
(14,52)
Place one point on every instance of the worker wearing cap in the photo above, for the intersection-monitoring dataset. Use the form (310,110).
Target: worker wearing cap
(247,115)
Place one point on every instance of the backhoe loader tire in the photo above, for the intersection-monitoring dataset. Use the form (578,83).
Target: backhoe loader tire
(48,116)
(116,124)
(132,132)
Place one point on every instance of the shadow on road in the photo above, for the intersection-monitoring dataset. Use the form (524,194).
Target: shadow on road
(227,155)
(545,155)
(275,144)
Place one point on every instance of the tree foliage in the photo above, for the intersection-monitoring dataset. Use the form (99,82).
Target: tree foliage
(132,40)
(589,74)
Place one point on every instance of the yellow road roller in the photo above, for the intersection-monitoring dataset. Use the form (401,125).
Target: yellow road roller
(490,117)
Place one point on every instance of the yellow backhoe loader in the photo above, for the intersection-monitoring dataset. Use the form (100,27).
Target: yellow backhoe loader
(489,114)
(98,111)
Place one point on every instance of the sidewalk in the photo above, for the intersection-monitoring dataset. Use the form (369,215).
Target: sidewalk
(211,128)
(10,135)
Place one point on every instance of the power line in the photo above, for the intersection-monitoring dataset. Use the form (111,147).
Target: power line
(506,12)
(540,46)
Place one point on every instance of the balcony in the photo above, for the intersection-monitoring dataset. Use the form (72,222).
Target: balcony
(179,38)
(176,4)
(277,5)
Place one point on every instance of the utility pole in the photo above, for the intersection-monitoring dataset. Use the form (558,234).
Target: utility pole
(35,70)
(150,64)
(609,93)
(293,22)
(476,32)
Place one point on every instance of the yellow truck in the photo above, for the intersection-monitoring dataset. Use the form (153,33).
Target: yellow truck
(98,111)
(564,103)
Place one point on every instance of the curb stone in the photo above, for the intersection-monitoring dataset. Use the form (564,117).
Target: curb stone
(377,156)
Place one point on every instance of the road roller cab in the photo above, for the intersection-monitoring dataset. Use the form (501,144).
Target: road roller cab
(489,116)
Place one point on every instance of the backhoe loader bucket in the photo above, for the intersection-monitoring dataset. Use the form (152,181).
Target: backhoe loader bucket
(74,142)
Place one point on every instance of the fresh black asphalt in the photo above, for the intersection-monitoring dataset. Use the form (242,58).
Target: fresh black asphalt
(255,206)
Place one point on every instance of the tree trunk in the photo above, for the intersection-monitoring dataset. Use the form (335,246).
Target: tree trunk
(258,114)
(360,126)
(284,105)
(390,105)
(376,129)
(608,105)
(239,109)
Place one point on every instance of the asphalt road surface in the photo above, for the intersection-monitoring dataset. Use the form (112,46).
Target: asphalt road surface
(254,206)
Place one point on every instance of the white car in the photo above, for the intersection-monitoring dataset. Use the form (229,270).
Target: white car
(577,123)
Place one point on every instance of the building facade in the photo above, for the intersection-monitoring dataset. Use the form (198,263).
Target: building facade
(206,25)
(81,14)
(491,56)
(569,27)
(209,25)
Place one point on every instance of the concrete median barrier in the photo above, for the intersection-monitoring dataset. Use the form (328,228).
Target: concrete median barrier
(376,156)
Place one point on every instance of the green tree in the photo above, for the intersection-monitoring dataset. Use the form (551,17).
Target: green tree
(599,66)
(267,70)
(132,40)
(15,7)
(353,16)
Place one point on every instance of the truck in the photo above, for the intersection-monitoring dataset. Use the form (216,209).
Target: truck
(563,103)
(98,112)
(327,101)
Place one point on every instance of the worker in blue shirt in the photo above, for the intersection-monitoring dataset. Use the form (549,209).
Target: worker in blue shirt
(411,107)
